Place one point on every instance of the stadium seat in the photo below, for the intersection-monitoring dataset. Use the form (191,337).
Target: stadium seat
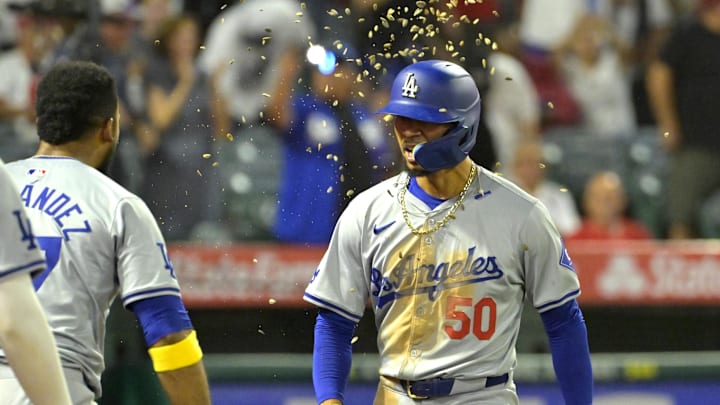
(250,169)
(10,148)
(710,217)
(646,180)
(574,154)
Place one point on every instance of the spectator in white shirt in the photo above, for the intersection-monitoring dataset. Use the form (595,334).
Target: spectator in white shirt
(529,173)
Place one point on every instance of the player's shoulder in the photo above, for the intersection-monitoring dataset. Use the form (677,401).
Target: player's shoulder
(379,193)
(71,174)
(504,190)
(373,201)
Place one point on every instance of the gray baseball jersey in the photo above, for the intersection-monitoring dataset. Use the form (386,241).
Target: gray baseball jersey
(18,250)
(447,304)
(100,241)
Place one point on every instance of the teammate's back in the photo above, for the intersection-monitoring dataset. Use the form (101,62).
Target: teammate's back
(80,218)
(100,241)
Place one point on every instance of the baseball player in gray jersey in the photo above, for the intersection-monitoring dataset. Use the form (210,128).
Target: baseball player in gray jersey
(100,242)
(447,253)
(24,332)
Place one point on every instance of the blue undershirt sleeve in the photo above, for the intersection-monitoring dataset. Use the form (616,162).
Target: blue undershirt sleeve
(161,316)
(566,331)
(332,355)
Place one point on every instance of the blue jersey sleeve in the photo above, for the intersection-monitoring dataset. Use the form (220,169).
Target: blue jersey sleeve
(566,331)
(332,355)
(161,316)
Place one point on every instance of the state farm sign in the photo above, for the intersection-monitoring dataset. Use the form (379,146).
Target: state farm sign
(648,272)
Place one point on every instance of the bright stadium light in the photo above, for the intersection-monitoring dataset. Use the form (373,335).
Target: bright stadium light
(322,58)
(315,54)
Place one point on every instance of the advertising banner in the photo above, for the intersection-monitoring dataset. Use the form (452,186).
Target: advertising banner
(611,273)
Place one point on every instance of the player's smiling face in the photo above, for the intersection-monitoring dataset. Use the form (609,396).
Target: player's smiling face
(410,133)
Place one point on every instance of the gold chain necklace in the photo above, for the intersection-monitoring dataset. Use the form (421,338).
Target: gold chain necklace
(450,215)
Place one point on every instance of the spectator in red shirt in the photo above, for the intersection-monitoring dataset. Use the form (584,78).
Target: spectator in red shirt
(604,204)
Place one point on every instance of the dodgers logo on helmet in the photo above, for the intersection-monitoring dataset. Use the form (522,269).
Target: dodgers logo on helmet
(410,87)
(440,92)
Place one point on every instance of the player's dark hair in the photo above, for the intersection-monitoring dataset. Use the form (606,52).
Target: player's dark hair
(73,98)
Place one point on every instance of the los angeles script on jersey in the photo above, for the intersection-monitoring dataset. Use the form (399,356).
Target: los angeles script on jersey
(58,205)
(432,278)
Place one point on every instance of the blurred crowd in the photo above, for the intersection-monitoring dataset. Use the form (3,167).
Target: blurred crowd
(254,120)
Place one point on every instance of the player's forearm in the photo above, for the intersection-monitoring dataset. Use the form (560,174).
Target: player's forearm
(332,356)
(29,345)
(186,386)
(177,359)
(567,333)
(33,357)
(573,369)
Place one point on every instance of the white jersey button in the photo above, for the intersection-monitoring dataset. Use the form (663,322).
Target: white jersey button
(428,240)
(414,353)
(420,311)
(431,221)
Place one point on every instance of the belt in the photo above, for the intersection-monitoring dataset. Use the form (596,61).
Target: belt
(442,387)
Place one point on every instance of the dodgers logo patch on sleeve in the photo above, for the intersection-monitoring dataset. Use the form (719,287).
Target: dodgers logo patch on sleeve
(314,276)
(565,259)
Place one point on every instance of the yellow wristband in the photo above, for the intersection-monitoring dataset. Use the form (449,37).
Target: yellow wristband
(178,355)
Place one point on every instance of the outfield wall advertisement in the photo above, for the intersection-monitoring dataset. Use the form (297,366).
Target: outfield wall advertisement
(628,272)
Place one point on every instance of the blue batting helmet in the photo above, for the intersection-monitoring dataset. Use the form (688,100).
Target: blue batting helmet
(440,92)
